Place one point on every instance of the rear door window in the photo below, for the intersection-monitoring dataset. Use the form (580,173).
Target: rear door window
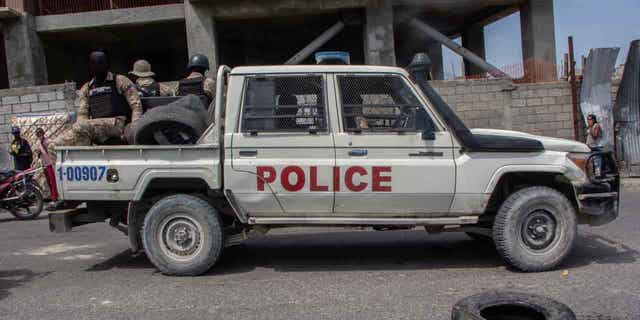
(284,104)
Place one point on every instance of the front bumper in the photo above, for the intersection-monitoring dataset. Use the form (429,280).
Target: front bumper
(599,199)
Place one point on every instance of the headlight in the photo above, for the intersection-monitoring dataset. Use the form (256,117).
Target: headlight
(579,159)
(593,165)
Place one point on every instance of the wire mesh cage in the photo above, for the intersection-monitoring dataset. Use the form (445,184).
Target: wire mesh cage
(284,103)
(378,103)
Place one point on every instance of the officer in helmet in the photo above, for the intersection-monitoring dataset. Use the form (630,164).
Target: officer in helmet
(145,82)
(196,82)
(106,104)
(20,150)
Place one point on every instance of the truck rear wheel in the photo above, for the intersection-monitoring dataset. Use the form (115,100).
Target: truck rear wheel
(535,229)
(182,235)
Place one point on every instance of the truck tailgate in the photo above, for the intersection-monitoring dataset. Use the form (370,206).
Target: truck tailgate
(121,173)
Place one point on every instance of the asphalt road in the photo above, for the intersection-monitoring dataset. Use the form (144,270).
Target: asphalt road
(90,274)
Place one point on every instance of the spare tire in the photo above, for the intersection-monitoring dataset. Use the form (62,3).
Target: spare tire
(496,305)
(167,125)
(193,103)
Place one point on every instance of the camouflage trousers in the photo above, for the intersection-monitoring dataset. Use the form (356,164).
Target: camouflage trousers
(87,133)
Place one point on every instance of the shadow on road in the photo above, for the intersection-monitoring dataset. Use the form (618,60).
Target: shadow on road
(395,250)
(15,278)
(124,260)
(10,218)
(593,248)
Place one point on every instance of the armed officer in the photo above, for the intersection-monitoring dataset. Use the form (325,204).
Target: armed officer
(196,83)
(106,104)
(145,82)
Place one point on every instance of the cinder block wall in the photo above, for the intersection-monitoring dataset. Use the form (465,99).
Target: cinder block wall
(40,99)
(539,108)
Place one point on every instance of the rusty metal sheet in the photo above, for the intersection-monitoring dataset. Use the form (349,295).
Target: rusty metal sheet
(627,112)
(595,96)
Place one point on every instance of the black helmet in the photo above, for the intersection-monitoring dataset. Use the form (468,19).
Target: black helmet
(198,61)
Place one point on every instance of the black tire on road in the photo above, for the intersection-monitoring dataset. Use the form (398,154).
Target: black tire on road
(182,235)
(535,229)
(496,305)
(178,126)
(35,204)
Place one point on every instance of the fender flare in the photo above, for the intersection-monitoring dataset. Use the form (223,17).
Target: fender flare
(500,172)
(210,177)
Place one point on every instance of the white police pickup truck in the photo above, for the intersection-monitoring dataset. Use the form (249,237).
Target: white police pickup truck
(338,146)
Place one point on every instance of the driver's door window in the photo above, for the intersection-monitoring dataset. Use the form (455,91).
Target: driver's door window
(380,104)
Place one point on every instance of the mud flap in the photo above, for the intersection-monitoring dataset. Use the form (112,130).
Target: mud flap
(65,220)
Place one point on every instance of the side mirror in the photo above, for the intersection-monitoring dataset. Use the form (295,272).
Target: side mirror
(428,135)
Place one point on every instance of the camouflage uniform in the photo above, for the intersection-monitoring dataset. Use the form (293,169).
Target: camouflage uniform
(87,131)
(165,90)
(363,123)
(209,85)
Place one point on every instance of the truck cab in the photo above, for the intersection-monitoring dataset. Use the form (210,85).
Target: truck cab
(337,145)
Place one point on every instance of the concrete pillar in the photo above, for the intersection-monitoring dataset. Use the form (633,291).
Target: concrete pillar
(379,43)
(538,40)
(473,40)
(434,51)
(201,33)
(26,63)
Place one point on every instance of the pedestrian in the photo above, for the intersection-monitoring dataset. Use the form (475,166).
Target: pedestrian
(145,82)
(42,151)
(107,104)
(20,150)
(594,133)
(196,83)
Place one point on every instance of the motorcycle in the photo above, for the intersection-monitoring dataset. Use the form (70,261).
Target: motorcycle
(20,195)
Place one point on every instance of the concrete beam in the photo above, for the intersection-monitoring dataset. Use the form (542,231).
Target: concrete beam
(110,18)
(473,40)
(201,33)
(316,43)
(249,9)
(26,65)
(434,51)
(9,13)
(538,40)
(464,52)
(379,42)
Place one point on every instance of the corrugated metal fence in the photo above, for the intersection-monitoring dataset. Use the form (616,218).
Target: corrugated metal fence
(595,95)
(627,113)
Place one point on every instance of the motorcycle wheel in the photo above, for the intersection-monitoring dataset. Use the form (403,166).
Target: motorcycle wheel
(30,206)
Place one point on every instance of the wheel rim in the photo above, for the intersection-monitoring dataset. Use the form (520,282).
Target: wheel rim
(28,206)
(539,230)
(180,237)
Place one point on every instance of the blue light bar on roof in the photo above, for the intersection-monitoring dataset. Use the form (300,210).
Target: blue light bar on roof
(333,57)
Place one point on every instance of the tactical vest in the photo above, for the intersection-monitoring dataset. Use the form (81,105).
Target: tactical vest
(106,102)
(149,90)
(191,86)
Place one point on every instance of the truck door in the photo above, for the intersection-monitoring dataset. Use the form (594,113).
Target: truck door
(283,146)
(388,167)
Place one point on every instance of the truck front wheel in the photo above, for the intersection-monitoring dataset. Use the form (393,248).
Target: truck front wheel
(182,235)
(535,229)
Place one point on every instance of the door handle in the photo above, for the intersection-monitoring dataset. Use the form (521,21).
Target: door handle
(359,153)
(426,154)
(249,153)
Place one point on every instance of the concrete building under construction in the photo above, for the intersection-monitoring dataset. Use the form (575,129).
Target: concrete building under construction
(47,41)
